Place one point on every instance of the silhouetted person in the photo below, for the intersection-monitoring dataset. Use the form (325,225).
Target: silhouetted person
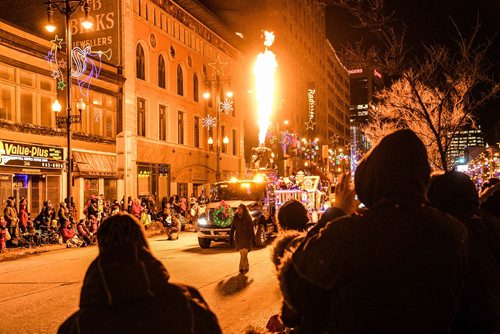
(398,268)
(242,230)
(455,193)
(127,290)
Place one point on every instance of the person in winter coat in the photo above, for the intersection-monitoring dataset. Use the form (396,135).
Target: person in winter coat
(69,235)
(23,215)
(490,211)
(127,290)
(243,236)
(84,233)
(399,268)
(454,193)
(10,216)
(3,235)
(62,213)
(292,222)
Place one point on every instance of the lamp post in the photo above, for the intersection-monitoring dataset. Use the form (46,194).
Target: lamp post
(218,144)
(68,8)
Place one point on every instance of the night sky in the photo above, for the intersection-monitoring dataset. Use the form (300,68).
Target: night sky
(429,21)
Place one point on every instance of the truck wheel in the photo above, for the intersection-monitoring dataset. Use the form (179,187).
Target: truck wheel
(260,236)
(204,243)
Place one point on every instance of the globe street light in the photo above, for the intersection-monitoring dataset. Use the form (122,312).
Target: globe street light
(68,8)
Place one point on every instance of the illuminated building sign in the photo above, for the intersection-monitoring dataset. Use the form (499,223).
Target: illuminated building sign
(355,71)
(28,155)
(311,94)
(377,74)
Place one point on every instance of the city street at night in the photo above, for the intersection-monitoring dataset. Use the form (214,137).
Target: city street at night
(41,291)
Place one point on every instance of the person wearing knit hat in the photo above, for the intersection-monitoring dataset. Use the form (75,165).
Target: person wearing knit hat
(293,216)
(127,290)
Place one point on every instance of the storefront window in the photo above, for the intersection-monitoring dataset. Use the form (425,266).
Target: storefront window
(182,189)
(153,179)
(110,189)
(53,189)
(5,188)
(91,188)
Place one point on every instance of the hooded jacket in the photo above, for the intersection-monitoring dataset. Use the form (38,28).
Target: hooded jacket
(127,290)
(400,267)
(455,193)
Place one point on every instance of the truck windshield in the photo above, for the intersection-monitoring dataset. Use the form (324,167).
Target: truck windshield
(238,191)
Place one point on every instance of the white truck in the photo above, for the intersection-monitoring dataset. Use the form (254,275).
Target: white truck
(225,197)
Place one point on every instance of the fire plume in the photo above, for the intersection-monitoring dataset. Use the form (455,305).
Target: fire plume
(264,71)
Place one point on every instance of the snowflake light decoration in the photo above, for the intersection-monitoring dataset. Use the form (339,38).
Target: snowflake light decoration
(226,106)
(208,122)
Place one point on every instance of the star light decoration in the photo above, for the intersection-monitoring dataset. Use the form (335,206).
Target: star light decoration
(217,67)
(226,106)
(208,122)
(310,124)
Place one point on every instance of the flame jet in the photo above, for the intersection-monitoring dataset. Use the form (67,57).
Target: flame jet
(264,71)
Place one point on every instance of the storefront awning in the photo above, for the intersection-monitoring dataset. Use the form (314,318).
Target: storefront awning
(95,165)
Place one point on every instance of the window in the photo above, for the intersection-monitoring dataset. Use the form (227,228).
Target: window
(180,127)
(141,117)
(140,63)
(182,189)
(162,122)
(222,135)
(27,105)
(180,81)
(196,140)
(7,102)
(161,72)
(235,143)
(196,95)
(46,110)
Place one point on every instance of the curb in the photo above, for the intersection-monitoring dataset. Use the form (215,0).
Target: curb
(11,254)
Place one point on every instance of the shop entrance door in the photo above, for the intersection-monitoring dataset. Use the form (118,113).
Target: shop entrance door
(20,187)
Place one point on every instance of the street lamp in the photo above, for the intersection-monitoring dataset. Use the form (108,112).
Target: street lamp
(206,96)
(68,8)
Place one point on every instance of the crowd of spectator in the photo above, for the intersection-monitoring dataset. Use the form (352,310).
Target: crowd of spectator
(61,225)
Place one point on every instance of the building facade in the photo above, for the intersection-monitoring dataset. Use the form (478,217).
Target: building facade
(462,143)
(363,84)
(299,28)
(33,148)
(143,70)
(170,59)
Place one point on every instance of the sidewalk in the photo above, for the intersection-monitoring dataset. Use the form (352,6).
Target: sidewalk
(10,254)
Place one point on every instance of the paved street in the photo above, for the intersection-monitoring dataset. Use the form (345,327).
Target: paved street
(37,293)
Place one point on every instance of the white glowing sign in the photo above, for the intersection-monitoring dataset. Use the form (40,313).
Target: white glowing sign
(355,71)
(311,92)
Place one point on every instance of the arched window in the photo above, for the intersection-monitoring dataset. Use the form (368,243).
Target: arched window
(140,63)
(196,96)
(180,81)
(161,72)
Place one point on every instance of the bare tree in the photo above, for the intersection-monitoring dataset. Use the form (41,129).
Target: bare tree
(433,94)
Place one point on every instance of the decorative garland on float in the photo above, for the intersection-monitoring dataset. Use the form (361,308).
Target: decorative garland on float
(223,215)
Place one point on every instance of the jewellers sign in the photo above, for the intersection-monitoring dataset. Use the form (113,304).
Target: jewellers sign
(28,155)
(104,35)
